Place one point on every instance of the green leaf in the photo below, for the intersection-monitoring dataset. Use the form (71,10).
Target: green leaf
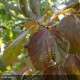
(22,57)
(13,50)
(2,66)
(47,15)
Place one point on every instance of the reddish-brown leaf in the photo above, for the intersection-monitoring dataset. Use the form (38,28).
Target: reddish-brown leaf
(72,65)
(78,56)
(70,26)
(60,46)
(55,73)
(39,48)
(45,44)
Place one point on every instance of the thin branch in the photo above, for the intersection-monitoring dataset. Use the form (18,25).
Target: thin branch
(35,6)
(24,7)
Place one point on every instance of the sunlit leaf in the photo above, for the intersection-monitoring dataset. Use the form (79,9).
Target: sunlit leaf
(13,50)
(1,41)
(57,14)
(46,44)
(8,67)
(47,15)
(50,2)
(39,48)
(17,65)
(1,72)
(70,26)
(29,24)
(11,34)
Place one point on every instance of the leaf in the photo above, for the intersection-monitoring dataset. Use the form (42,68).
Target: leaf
(78,56)
(75,5)
(72,65)
(2,66)
(29,24)
(39,48)
(45,45)
(60,46)
(13,50)
(47,15)
(55,73)
(8,68)
(1,42)
(70,26)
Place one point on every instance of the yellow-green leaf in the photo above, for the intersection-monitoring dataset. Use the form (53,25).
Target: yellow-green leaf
(1,41)
(47,15)
(14,49)
(8,67)
(33,24)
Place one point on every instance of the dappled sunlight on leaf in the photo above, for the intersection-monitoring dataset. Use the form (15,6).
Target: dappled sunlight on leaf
(14,49)
(55,73)
(1,42)
(47,15)
(33,24)
(8,68)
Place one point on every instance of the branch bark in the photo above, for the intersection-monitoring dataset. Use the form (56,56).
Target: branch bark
(24,7)
(29,9)
(35,6)
(10,6)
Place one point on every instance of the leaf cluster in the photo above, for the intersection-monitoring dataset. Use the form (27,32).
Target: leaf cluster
(54,44)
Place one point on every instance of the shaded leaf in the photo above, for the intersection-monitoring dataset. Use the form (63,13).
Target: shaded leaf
(45,44)
(55,73)
(1,42)
(60,46)
(69,11)
(78,56)
(70,26)
(72,65)
(39,48)
(2,66)
(14,49)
